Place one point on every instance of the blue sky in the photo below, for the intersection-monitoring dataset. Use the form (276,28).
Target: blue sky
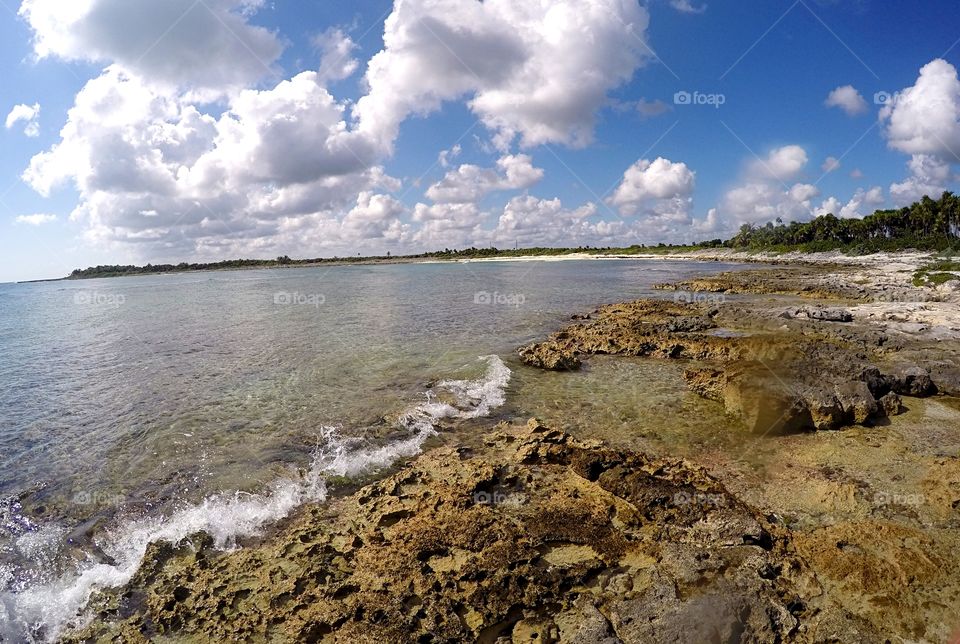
(343,161)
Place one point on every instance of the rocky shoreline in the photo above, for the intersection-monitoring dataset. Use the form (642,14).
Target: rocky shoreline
(849,530)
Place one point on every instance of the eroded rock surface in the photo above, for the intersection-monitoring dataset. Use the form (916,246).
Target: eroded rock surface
(543,538)
(774,379)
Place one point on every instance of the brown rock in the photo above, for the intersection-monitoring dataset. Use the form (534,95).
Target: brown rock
(857,401)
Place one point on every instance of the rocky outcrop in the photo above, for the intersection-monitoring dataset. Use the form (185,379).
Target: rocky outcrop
(773,380)
(542,538)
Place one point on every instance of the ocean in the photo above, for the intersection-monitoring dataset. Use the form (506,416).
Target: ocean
(137,409)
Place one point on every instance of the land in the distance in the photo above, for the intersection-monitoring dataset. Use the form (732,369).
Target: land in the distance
(928,225)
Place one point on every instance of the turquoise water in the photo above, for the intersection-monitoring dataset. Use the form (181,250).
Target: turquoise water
(147,407)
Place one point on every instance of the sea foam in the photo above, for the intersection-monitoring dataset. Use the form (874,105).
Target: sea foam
(41,612)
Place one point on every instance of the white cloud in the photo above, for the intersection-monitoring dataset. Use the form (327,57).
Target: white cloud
(685,6)
(336,55)
(924,121)
(531,222)
(925,118)
(653,182)
(856,173)
(929,176)
(650,109)
(762,202)
(155,171)
(782,164)
(27,114)
(764,194)
(35,220)
(446,156)
(863,203)
(470,183)
(516,62)
(207,45)
(848,99)
(830,164)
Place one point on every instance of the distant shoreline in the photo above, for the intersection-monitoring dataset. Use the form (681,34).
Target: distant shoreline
(701,255)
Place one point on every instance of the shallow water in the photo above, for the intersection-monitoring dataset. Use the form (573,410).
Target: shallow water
(150,407)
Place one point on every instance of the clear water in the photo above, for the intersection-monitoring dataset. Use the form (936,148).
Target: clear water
(140,408)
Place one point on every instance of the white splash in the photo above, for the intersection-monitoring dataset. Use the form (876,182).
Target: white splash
(42,612)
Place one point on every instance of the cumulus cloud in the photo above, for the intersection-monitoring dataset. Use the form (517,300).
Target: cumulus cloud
(650,109)
(863,203)
(154,170)
(35,220)
(515,62)
(848,99)
(781,164)
(765,193)
(685,6)
(208,45)
(762,202)
(661,185)
(471,183)
(336,55)
(29,115)
(830,164)
(924,121)
(929,176)
(925,118)
(446,156)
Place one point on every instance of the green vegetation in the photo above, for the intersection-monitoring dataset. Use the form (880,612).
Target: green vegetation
(926,225)
(937,273)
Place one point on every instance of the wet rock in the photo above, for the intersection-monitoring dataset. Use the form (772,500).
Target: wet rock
(913,381)
(708,383)
(857,402)
(607,546)
(891,405)
(550,356)
(946,379)
(829,315)
(826,411)
(764,403)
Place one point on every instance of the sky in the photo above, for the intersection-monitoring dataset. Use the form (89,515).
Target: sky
(138,131)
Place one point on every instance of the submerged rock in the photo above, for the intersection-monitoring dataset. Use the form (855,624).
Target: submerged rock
(829,315)
(773,381)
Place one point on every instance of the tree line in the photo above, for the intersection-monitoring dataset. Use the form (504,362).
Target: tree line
(926,225)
